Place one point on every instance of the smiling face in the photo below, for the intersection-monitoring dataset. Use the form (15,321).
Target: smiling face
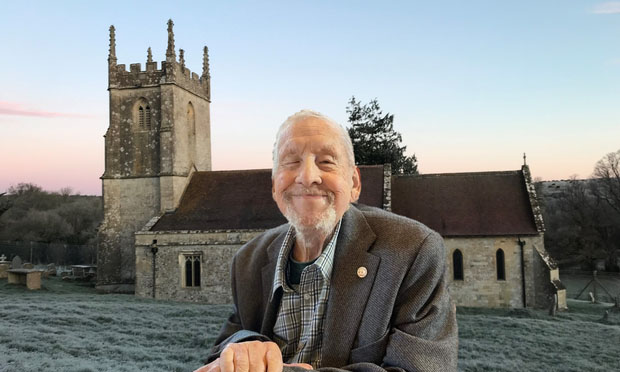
(314,182)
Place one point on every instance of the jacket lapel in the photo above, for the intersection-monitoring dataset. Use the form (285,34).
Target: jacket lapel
(349,292)
(271,305)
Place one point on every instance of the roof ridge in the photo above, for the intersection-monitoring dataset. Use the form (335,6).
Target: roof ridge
(457,174)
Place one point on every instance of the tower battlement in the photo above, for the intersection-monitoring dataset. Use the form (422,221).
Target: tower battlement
(171,72)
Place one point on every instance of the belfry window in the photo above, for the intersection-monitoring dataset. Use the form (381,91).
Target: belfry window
(148,117)
(141,117)
(191,270)
(457,265)
(501,265)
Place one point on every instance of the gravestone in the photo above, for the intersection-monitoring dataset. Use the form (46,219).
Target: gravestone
(27,265)
(16,263)
(4,267)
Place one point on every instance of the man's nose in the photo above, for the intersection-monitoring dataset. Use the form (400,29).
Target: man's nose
(309,173)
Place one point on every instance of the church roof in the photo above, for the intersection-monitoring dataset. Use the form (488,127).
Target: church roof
(466,204)
(241,199)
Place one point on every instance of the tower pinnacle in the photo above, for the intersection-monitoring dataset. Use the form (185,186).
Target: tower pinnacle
(182,58)
(170,54)
(149,55)
(112,53)
(205,62)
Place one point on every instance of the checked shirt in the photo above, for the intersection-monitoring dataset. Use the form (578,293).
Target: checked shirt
(299,325)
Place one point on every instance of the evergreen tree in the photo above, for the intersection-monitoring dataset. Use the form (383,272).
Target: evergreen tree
(374,139)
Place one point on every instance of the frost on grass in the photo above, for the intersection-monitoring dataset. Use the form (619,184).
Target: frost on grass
(62,329)
(67,327)
(531,340)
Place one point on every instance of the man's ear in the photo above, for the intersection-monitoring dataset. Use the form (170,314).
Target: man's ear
(357,185)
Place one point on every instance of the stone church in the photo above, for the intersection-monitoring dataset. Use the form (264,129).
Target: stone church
(171,225)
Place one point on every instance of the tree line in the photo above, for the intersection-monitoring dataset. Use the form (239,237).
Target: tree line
(582,218)
(29,213)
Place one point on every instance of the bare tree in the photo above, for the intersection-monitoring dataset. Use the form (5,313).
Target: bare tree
(607,173)
(66,192)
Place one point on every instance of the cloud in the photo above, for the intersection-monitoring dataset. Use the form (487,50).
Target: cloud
(610,7)
(17,109)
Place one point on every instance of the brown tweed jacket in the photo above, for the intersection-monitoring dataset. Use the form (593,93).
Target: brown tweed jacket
(398,317)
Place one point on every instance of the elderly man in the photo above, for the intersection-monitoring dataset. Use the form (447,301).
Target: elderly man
(341,286)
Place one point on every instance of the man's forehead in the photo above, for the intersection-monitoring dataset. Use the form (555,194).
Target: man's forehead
(314,131)
(323,144)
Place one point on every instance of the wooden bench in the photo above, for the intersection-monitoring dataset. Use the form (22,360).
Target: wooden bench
(31,278)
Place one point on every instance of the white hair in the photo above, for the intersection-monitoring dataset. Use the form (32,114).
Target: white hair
(303,114)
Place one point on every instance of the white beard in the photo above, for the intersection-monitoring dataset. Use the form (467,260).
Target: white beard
(308,228)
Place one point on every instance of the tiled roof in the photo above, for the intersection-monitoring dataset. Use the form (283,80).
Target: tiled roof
(241,199)
(466,204)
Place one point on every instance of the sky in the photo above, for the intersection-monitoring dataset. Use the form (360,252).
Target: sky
(472,84)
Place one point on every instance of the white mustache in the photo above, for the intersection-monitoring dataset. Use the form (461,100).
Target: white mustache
(308,191)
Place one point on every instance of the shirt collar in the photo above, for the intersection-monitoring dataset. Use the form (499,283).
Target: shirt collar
(324,262)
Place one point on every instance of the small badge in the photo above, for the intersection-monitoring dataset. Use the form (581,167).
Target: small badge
(362,272)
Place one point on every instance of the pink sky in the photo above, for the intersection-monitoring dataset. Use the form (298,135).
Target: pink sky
(61,149)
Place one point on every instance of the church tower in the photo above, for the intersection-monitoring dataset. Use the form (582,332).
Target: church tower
(159,134)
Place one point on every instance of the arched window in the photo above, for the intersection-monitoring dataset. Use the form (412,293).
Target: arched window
(192,270)
(457,264)
(141,117)
(500,263)
(148,117)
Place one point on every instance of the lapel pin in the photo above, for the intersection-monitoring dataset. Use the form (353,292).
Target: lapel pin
(362,272)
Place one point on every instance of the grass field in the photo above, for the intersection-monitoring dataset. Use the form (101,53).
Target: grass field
(68,327)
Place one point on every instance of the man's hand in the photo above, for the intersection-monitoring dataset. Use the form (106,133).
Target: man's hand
(214,366)
(301,365)
(251,356)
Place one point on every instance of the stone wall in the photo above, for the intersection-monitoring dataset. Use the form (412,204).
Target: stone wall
(130,150)
(543,275)
(216,250)
(480,286)
(129,205)
(191,149)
